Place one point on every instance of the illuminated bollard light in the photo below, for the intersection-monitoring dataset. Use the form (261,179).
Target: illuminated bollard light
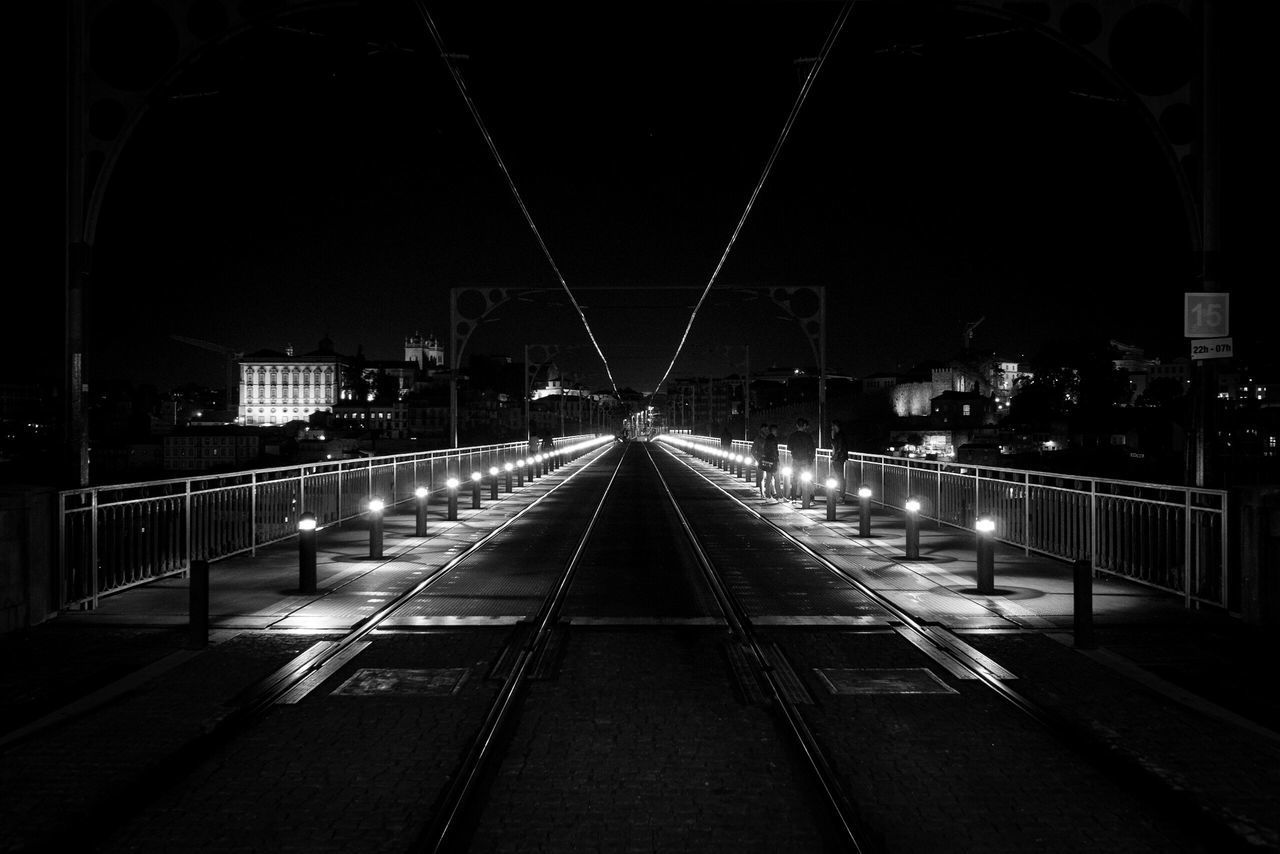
(806,489)
(493,483)
(536,471)
(420,522)
(985,529)
(832,483)
(1082,617)
(376,507)
(198,605)
(475,490)
(748,468)
(520,472)
(307,554)
(864,511)
(913,528)
(507,467)
(451,486)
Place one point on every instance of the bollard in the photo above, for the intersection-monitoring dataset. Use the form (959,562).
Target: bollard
(832,483)
(198,605)
(307,554)
(493,483)
(806,489)
(913,529)
(452,486)
(536,470)
(786,486)
(750,467)
(375,527)
(420,526)
(506,486)
(520,472)
(475,490)
(1083,613)
(986,555)
(864,511)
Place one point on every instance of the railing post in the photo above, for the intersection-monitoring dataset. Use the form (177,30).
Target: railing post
(1026,513)
(93,567)
(1186,538)
(1093,522)
(1225,544)
(253,514)
(186,534)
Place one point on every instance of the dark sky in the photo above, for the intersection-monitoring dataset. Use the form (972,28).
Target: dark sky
(329,186)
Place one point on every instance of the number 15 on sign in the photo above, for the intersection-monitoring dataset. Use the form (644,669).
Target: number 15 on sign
(1207,315)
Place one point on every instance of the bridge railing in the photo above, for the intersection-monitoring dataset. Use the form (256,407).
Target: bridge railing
(1170,537)
(114,537)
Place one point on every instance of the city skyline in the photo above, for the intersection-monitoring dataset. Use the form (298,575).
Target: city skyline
(291,187)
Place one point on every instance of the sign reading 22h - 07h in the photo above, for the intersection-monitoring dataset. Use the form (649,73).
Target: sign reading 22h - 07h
(1207,315)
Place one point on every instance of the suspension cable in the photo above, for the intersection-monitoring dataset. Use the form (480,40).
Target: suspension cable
(768,167)
(493,149)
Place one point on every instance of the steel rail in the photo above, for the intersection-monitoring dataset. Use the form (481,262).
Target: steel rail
(439,832)
(900,614)
(1163,794)
(251,704)
(284,681)
(741,626)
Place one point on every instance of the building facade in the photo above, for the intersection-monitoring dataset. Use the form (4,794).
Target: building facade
(279,387)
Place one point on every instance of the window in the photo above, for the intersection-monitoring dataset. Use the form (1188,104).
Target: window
(966,409)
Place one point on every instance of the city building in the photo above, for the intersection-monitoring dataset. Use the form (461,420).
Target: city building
(279,387)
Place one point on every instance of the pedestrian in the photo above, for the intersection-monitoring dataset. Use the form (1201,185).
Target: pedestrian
(839,455)
(800,444)
(769,465)
(757,451)
(548,449)
(726,439)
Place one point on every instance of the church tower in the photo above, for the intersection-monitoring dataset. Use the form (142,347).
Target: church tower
(425,351)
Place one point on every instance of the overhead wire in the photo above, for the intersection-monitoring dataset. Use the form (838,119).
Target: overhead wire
(764,176)
(493,149)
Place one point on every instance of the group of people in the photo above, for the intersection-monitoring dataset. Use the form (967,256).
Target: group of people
(803,450)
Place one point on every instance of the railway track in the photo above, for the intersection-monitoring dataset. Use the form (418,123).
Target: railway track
(669,644)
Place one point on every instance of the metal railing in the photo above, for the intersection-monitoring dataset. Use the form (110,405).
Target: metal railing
(1169,537)
(118,536)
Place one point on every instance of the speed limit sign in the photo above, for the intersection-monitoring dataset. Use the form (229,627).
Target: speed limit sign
(1206,315)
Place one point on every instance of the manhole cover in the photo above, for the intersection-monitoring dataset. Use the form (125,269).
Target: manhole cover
(434,683)
(882,680)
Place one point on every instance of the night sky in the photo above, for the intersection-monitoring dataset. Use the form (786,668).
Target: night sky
(308,183)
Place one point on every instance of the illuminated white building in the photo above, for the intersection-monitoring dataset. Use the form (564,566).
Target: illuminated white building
(276,388)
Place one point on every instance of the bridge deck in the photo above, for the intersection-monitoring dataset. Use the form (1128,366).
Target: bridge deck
(1202,711)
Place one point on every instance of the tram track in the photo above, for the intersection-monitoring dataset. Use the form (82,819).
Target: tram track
(963,661)
(452,813)
(288,683)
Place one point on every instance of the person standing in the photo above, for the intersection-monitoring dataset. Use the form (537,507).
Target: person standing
(800,444)
(769,465)
(839,456)
(757,449)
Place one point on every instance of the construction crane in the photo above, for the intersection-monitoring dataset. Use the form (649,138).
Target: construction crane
(968,330)
(233,366)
